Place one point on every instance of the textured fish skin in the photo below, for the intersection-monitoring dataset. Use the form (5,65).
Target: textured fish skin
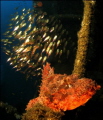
(62,92)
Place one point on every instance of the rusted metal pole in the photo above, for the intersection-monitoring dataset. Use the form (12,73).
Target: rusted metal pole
(84,37)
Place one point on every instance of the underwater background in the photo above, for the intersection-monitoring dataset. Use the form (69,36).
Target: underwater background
(17,91)
(12,81)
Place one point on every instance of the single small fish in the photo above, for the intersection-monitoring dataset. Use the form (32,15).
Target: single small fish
(52,29)
(40,58)
(50,52)
(58,43)
(55,37)
(46,39)
(16,28)
(23,9)
(44,59)
(44,35)
(16,17)
(9,59)
(57,51)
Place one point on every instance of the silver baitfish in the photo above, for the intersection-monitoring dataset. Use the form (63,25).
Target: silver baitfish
(34,39)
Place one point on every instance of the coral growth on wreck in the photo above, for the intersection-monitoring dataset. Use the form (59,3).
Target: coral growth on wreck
(40,112)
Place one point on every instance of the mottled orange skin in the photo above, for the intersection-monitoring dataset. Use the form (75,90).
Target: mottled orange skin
(31,103)
(63,92)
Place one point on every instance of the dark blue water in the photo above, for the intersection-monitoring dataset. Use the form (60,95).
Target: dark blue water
(15,90)
(10,7)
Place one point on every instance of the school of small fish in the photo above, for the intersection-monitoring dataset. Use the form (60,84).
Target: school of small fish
(32,39)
